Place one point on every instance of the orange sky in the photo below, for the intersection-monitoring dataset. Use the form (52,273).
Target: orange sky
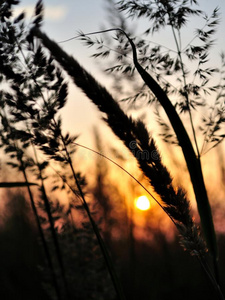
(62,21)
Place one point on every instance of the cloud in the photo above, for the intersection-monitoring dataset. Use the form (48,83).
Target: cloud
(51,12)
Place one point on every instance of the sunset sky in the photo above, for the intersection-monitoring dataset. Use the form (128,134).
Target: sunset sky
(85,211)
(63,19)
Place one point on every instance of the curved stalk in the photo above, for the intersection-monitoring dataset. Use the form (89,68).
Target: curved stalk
(128,173)
(104,250)
(99,94)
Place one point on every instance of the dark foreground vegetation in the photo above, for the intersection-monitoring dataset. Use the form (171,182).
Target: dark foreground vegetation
(156,270)
(88,248)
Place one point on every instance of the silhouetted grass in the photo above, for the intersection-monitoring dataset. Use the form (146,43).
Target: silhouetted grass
(30,120)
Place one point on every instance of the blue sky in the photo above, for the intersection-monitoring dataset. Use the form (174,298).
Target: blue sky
(64,18)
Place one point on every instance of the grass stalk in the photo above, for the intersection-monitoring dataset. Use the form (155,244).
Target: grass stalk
(52,225)
(45,246)
(212,279)
(193,163)
(186,94)
(129,174)
(134,131)
(55,237)
(104,250)
(44,194)
(19,155)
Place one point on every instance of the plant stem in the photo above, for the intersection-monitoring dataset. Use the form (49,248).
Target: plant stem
(47,253)
(211,278)
(186,94)
(108,261)
(104,102)
(128,173)
(45,198)
(46,249)
(193,163)
(55,238)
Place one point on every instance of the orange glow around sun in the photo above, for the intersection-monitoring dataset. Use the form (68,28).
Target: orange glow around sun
(142,203)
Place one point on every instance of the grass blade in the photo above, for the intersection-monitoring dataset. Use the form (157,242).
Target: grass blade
(16,184)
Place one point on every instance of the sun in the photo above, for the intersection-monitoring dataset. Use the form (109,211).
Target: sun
(142,203)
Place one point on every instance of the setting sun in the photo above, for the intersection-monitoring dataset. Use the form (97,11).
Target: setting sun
(142,203)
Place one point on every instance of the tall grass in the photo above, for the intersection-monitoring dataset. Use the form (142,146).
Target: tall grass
(37,92)
(130,131)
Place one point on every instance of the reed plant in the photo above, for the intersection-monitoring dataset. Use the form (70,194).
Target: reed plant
(37,92)
(130,131)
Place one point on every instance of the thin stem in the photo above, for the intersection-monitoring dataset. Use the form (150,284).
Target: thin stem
(186,94)
(201,259)
(96,32)
(48,256)
(98,94)
(47,253)
(195,36)
(211,278)
(204,144)
(45,198)
(55,237)
(213,146)
(128,173)
(52,226)
(112,272)
(132,253)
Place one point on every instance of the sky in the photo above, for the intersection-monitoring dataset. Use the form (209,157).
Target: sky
(63,19)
